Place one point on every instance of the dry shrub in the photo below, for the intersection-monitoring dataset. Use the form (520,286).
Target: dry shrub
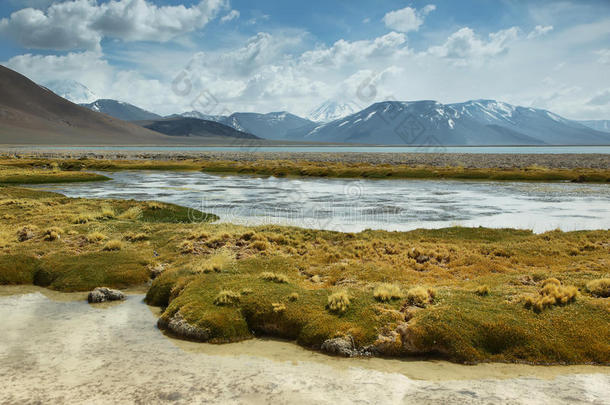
(338,302)
(274,277)
(113,245)
(552,293)
(226,298)
(132,213)
(95,237)
(599,288)
(482,290)
(293,297)
(387,292)
(420,296)
(278,307)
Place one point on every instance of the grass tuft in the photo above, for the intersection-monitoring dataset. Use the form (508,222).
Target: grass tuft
(338,302)
(420,296)
(482,290)
(551,294)
(387,292)
(599,288)
(226,298)
(95,237)
(113,245)
(274,277)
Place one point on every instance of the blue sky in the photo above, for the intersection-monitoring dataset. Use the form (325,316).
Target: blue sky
(275,55)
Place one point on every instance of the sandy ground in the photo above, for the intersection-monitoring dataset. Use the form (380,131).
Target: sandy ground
(55,348)
(468,160)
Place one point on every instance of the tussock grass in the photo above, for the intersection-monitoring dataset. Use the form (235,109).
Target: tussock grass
(599,288)
(482,290)
(293,297)
(274,277)
(53,233)
(227,297)
(387,292)
(113,245)
(95,237)
(338,302)
(420,296)
(132,213)
(278,307)
(552,293)
(136,237)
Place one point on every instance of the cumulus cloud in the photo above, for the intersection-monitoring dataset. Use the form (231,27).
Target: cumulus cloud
(408,18)
(81,24)
(232,15)
(539,31)
(343,52)
(464,46)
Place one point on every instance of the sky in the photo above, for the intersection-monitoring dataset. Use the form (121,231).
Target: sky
(223,56)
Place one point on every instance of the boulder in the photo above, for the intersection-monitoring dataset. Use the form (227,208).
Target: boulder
(178,326)
(103,294)
(341,346)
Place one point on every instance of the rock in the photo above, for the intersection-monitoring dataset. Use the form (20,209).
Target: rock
(341,346)
(103,294)
(25,233)
(178,326)
(156,270)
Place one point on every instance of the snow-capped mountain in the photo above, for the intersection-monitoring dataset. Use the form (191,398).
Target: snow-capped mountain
(274,125)
(71,90)
(598,125)
(199,115)
(331,110)
(121,110)
(477,122)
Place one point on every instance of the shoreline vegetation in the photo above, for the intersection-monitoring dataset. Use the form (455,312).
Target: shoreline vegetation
(463,294)
(46,170)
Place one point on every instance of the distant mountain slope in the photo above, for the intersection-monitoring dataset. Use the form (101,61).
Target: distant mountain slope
(181,126)
(121,110)
(479,122)
(275,125)
(32,114)
(598,125)
(71,90)
(331,110)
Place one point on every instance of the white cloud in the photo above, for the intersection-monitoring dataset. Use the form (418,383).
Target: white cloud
(81,24)
(232,15)
(407,19)
(600,98)
(604,56)
(464,46)
(343,52)
(540,30)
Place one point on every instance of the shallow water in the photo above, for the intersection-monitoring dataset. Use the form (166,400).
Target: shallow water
(56,348)
(355,205)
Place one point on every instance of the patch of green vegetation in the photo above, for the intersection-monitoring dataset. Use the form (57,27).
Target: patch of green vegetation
(289,168)
(457,293)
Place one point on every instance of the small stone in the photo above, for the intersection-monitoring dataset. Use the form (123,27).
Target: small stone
(103,294)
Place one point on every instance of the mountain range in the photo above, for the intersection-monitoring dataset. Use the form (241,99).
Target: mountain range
(425,122)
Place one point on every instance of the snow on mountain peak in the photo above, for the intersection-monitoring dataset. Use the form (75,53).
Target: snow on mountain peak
(332,110)
(71,90)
